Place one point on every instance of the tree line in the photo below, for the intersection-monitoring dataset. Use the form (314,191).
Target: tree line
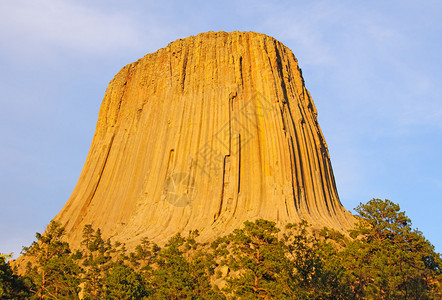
(382,258)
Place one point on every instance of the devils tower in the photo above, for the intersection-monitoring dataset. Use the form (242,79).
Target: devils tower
(206,133)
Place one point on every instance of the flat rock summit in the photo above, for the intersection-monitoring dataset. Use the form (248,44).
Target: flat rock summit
(206,133)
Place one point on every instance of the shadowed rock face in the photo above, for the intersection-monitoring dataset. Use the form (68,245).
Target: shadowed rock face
(206,133)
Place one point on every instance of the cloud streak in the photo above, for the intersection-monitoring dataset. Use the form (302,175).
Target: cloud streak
(39,27)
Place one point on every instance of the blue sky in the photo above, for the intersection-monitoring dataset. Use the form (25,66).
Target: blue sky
(374,70)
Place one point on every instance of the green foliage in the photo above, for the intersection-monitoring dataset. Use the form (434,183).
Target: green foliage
(388,259)
(144,254)
(12,286)
(122,282)
(381,220)
(54,272)
(383,258)
(291,267)
(97,261)
(182,272)
(312,274)
(258,256)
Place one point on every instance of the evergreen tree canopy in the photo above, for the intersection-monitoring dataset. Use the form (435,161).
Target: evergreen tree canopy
(388,259)
(382,258)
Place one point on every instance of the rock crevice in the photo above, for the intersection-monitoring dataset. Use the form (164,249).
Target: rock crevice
(206,133)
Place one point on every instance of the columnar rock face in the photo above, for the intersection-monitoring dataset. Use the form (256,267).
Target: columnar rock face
(206,133)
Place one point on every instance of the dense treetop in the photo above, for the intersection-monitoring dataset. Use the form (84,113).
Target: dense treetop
(383,258)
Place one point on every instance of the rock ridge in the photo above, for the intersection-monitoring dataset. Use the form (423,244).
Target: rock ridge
(208,132)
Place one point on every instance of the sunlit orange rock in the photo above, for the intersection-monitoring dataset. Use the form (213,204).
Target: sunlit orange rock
(206,133)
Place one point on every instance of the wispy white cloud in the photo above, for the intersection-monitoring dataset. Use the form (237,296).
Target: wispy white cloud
(56,25)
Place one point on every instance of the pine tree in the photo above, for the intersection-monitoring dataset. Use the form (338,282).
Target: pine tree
(312,276)
(385,258)
(12,286)
(388,259)
(97,260)
(182,271)
(258,258)
(122,282)
(54,272)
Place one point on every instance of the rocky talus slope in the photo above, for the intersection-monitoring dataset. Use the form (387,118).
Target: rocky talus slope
(206,133)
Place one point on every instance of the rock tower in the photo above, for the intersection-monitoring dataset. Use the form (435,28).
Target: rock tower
(206,133)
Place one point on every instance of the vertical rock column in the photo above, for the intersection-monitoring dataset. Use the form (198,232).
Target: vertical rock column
(206,133)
